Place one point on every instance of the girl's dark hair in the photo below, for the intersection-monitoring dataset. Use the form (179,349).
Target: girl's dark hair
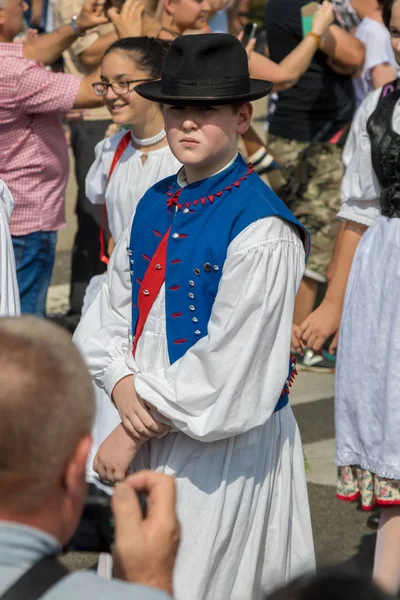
(387,6)
(148,53)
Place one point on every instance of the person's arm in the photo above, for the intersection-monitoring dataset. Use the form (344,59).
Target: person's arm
(103,332)
(324,321)
(86,97)
(332,265)
(291,68)
(46,48)
(36,13)
(92,56)
(383,74)
(346,52)
(360,194)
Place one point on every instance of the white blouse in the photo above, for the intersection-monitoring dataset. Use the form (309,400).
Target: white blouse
(130,180)
(9,295)
(360,192)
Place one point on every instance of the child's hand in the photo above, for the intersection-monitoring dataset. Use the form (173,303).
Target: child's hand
(320,325)
(115,455)
(134,414)
(296,340)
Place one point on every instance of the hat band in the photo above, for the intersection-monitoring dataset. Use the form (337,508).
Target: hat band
(211,88)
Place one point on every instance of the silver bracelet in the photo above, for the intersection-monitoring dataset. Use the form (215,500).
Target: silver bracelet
(75,27)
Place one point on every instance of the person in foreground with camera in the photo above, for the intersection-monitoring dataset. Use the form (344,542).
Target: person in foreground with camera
(46,413)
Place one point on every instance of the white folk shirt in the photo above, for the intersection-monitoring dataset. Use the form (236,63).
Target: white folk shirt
(242,495)
(130,180)
(9,295)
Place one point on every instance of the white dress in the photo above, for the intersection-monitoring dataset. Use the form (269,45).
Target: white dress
(130,180)
(9,294)
(242,495)
(367,399)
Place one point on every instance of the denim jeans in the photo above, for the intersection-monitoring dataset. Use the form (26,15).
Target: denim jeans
(34,258)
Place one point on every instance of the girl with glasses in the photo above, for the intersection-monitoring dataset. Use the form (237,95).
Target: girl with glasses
(127,164)
(131,161)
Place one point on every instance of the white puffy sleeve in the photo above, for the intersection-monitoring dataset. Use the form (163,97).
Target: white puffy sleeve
(97,177)
(103,334)
(230,381)
(360,191)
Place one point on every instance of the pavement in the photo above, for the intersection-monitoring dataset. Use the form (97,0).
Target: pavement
(341,535)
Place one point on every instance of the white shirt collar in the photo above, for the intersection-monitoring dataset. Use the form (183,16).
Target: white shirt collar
(181,178)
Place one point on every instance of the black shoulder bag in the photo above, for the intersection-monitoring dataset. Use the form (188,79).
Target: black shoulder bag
(33,584)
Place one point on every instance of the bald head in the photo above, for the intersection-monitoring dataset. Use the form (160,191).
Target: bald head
(11,19)
(46,407)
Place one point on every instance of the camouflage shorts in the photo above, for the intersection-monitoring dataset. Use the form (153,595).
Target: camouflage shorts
(312,175)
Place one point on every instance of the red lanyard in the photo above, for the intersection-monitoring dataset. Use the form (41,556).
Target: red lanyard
(123,143)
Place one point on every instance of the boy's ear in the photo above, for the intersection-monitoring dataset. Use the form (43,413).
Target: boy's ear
(244,116)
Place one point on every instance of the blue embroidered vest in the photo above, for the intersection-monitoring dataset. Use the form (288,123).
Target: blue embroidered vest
(202,218)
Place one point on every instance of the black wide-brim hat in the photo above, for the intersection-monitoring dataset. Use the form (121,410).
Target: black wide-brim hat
(210,68)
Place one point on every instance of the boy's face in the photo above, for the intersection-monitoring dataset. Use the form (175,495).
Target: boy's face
(204,138)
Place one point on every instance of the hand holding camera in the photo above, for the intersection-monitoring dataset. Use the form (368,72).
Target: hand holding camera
(146,547)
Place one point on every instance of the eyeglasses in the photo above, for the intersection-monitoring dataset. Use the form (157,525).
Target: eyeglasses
(118,87)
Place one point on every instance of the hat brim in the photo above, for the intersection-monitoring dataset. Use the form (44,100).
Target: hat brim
(152,91)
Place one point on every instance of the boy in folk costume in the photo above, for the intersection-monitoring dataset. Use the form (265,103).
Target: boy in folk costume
(206,280)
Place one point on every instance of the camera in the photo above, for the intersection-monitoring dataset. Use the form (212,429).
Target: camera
(95,532)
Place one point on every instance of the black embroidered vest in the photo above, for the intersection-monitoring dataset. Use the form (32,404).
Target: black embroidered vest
(385,149)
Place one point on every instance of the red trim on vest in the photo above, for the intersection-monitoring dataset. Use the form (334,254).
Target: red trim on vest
(173,200)
(152,282)
(123,143)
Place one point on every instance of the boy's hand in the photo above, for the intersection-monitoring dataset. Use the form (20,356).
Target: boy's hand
(115,455)
(134,414)
(146,548)
(320,325)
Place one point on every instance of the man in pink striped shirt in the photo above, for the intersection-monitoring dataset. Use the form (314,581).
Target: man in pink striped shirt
(33,152)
